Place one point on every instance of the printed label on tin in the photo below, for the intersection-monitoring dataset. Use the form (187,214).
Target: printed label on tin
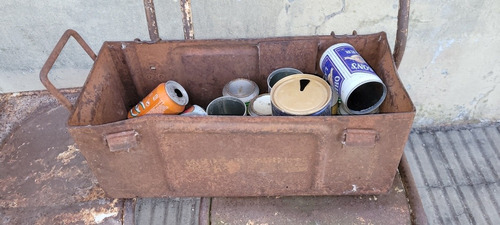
(332,74)
(352,60)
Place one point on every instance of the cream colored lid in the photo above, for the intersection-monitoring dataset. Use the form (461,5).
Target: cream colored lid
(301,94)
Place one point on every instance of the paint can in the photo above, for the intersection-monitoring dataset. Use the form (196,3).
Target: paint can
(279,74)
(227,106)
(260,106)
(301,95)
(167,98)
(194,110)
(241,88)
(354,80)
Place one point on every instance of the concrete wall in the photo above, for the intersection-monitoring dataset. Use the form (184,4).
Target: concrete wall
(450,67)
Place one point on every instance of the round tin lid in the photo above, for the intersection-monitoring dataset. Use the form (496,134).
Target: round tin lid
(301,94)
(241,88)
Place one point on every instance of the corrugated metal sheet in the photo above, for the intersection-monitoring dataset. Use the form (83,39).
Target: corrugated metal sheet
(170,211)
(457,174)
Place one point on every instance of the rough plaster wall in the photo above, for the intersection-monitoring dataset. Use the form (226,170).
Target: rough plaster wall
(450,67)
(452,64)
(30,30)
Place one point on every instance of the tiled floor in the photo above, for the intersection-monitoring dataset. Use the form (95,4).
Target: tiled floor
(457,173)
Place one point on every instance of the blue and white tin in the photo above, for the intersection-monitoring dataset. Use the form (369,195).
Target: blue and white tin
(357,84)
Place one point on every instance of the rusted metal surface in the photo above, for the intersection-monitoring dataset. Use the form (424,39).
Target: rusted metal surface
(234,156)
(360,137)
(187,19)
(402,31)
(390,208)
(122,141)
(52,59)
(167,155)
(149,8)
(43,177)
(418,215)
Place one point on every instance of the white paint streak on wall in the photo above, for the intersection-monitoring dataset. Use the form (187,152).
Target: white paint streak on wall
(442,47)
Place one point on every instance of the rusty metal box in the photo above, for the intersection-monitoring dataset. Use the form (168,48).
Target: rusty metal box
(159,155)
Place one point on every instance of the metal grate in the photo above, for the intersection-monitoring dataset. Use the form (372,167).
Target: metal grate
(167,211)
(457,174)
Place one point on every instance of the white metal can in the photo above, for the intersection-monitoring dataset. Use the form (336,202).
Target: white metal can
(241,88)
(359,87)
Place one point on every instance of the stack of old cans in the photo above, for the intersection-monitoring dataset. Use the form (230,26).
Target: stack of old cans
(349,86)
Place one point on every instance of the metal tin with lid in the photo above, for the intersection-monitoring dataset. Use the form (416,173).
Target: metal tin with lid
(301,95)
(260,106)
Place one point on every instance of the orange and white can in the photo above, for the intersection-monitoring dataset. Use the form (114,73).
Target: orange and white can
(167,98)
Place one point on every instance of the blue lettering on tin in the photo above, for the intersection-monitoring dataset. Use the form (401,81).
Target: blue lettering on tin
(332,74)
(352,60)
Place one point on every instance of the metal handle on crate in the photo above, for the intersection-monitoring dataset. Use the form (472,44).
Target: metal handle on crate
(402,32)
(122,141)
(52,59)
(360,137)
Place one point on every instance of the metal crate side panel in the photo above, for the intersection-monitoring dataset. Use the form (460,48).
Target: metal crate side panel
(223,156)
(102,99)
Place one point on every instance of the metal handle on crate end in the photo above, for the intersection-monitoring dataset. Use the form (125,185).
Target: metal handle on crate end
(52,59)
(402,32)
(149,7)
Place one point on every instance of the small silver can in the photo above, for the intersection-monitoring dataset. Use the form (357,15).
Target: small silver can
(227,106)
(359,87)
(241,88)
(279,74)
